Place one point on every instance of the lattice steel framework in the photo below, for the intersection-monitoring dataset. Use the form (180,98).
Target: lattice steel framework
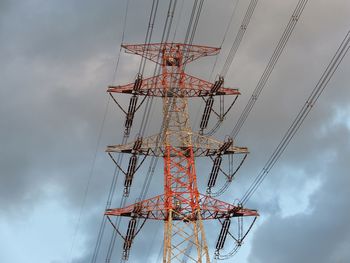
(181,207)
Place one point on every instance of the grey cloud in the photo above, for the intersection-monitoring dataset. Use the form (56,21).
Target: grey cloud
(58,57)
(321,234)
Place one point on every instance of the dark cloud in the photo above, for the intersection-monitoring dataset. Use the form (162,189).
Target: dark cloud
(58,57)
(321,233)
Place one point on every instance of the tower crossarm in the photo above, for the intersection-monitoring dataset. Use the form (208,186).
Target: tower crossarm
(181,206)
(213,209)
(152,208)
(174,51)
(155,208)
(190,87)
(202,146)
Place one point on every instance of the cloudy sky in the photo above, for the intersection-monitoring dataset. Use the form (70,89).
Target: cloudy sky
(58,57)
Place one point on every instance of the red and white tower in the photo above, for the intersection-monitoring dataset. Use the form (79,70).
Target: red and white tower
(182,208)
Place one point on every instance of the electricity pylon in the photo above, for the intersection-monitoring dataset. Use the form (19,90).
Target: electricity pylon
(182,208)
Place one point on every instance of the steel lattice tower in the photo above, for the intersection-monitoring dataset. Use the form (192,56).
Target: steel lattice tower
(182,208)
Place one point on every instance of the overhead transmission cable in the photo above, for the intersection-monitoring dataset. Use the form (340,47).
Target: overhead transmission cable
(265,76)
(88,183)
(116,173)
(190,23)
(148,38)
(193,23)
(299,119)
(270,66)
(167,27)
(165,37)
(238,39)
(154,160)
(194,27)
(189,38)
(235,3)
(108,205)
(178,19)
(112,241)
(236,43)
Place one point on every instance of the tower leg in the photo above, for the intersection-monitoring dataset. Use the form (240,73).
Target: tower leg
(167,238)
(179,235)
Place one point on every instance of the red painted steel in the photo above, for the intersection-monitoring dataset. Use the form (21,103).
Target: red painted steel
(190,87)
(181,207)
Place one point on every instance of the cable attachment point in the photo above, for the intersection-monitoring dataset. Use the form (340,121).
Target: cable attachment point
(137,84)
(137,145)
(132,166)
(217,85)
(130,234)
(130,114)
(222,236)
(206,114)
(209,103)
(214,173)
(225,146)
(132,104)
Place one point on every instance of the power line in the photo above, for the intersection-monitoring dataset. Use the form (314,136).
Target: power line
(116,173)
(238,39)
(108,205)
(299,119)
(236,43)
(110,249)
(154,161)
(144,122)
(149,33)
(122,40)
(270,66)
(235,3)
(165,36)
(190,23)
(267,72)
(148,38)
(194,27)
(179,19)
(182,178)
(88,182)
